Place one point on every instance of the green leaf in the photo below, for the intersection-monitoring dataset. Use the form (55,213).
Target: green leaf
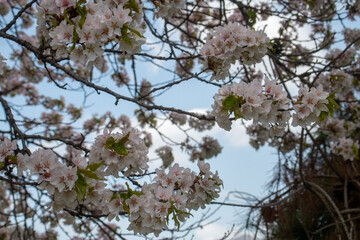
(91,189)
(120,149)
(94,166)
(182,212)
(232,104)
(137,193)
(126,207)
(83,12)
(167,218)
(238,114)
(110,142)
(126,196)
(125,138)
(11,158)
(229,102)
(75,38)
(177,223)
(333,103)
(323,115)
(114,196)
(88,173)
(66,16)
(252,15)
(175,211)
(136,32)
(132,4)
(124,35)
(81,186)
(355,150)
(80,2)
(129,193)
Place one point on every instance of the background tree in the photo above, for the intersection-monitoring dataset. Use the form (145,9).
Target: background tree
(62,168)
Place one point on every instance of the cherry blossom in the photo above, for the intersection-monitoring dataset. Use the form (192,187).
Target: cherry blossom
(226,44)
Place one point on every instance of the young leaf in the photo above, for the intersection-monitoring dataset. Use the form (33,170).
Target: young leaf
(229,102)
(81,186)
(125,138)
(177,223)
(66,17)
(124,35)
(132,4)
(355,150)
(126,207)
(252,16)
(83,12)
(323,116)
(114,196)
(136,32)
(88,173)
(129,193)
(94,166)
(80,2)
(13,159)
(120,149)
(110,142)
(75,38)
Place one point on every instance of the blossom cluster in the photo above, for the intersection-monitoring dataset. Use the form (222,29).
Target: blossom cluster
(80,29)
(347,148)
(260,135)
(311,106)
(337,128)
(83,181)
(53,176)
(267,105)
(341,59)
(314,9)
(351,35)
(118,152)
(336,81)
(178,118)
(167,8)
(227,44)
(7,148)
(208,148)
(166,155)
(201,125)
(175,193)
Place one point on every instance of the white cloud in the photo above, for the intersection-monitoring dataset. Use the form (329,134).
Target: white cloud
(236,137)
